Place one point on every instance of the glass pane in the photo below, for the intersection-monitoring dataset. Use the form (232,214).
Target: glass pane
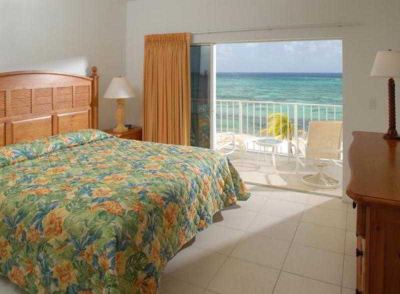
(201,114)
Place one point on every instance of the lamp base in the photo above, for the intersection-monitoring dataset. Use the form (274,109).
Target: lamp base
(120,117)
(120,129)
(389,136)
(392,132)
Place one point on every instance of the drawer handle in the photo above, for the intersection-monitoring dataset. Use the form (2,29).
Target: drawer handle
(354,205)
(359,253)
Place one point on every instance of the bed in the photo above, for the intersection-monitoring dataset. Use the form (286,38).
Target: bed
(84,212)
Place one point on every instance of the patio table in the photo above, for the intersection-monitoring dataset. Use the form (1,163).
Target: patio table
(268,142)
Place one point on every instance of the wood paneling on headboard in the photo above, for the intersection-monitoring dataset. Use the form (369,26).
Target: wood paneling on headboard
(38,104)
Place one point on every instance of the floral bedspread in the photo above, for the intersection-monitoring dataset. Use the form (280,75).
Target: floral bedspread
(86,212)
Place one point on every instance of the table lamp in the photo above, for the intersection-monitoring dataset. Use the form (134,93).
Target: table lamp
(119,89)
(387,64)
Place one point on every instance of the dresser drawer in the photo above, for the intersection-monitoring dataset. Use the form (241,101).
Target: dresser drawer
(361,258)
(383,250)
(361,253)
(361,220)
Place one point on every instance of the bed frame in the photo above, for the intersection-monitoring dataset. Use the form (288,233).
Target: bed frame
(35,104)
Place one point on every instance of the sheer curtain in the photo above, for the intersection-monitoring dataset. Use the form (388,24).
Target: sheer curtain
(167,107)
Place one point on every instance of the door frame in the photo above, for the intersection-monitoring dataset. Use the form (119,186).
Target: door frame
(213,97)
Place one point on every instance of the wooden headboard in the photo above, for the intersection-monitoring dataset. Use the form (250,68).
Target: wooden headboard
(38,104)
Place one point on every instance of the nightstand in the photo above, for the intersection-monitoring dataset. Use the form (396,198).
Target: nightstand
(134,133)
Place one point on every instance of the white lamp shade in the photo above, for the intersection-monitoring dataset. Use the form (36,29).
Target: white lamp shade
(387,64)
(119,88)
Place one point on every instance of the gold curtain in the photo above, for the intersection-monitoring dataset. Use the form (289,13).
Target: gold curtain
(167,105)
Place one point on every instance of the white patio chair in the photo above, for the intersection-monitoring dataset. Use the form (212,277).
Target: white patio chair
(226,143)
(323,147)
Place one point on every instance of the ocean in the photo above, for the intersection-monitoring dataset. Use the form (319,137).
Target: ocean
(324,89)
(315,88)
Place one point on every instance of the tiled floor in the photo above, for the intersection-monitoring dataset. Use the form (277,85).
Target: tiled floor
(277,242)
(258,169)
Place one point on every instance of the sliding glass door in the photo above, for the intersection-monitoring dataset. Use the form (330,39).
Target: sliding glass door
(202,77)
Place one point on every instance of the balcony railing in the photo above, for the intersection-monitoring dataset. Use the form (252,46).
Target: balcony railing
(250,117)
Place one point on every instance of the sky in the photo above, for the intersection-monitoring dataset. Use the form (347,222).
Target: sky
(290,56)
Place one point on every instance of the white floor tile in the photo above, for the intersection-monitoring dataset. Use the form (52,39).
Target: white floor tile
(237,218)
(283,209)
(351,243)
(173,286)
(277,227)
(315,263)
(184,259)
(350,272)
(351,221)
(219,239)
(327,202)
(195,266)
(255,202)
(252,187)
(291,196)
(350,208)
(265,190)
(321,237)
(325,217)
(262,250)
(238,277)
(258,171)
(293,284)
(347,291)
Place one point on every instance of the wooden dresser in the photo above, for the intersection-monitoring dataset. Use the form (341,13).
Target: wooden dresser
(375,189)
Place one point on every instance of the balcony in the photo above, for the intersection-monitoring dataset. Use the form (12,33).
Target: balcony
(245,121)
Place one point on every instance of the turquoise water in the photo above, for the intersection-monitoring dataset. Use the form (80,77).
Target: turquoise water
(318,88)
(310,88)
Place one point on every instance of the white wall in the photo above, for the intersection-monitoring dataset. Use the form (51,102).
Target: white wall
(377,26)
(66,36)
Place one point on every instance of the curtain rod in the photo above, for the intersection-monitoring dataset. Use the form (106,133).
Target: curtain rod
(276,28)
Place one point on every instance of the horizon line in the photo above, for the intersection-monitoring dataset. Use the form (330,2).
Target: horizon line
(281,72)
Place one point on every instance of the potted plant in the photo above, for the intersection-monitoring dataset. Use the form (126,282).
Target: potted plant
(280,127)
